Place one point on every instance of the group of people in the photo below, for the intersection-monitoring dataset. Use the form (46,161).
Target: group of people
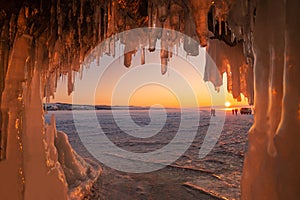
(213,111)
(234,111)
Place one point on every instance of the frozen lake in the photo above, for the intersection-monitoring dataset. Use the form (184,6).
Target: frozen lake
(216,176)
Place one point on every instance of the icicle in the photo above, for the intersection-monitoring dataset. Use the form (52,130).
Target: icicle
(127,58)
(232,37)
(4,56)
(153,30)
(111,19)
(164,65)
(150,7)
(113,16)
(220,25)
(120,19)
(98,56)
(11,28)
(244,46)
(81,10)
(175,11)
(89,25)
(243,8)
(27,12)
(142,56)
(200,10)
(41,6)
(59,18)
(164,61)
(74,7)
(112,46)
(80,73)
(79,22)
(162,12)
(100,24)
(94,35)
(164,53)
(107,47)
(105,24)
(96,23)
(214,18)
(52,17)
(70,16)
(190,46)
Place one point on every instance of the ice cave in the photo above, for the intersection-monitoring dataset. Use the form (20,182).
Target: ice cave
(256,42)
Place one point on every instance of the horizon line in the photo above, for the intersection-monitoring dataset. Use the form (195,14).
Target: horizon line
(147,106)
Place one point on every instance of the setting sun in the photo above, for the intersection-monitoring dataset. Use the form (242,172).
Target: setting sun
(227,104)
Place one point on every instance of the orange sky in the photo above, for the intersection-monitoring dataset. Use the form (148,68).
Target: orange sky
(183,84)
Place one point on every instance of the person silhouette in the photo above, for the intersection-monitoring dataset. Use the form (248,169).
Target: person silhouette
(236,111)
(212,112)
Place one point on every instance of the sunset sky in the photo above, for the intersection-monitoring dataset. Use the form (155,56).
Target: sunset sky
(143,85)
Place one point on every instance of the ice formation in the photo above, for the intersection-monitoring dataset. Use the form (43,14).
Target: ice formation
(271,168)
(254,42)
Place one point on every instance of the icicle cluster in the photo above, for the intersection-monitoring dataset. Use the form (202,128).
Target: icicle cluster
(63,32)
(232,23)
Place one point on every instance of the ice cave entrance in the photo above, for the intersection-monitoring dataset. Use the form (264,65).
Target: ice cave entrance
(220,168)
(40,40)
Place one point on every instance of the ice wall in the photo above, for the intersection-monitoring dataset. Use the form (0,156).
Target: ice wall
(254,42)
(39,162)
(25,161)
(31,167)
(271,168)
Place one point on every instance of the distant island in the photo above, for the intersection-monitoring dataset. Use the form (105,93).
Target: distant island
(67,106)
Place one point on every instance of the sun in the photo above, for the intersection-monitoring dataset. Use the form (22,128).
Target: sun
(227,104)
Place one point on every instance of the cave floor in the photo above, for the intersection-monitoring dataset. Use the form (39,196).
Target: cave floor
(167,183)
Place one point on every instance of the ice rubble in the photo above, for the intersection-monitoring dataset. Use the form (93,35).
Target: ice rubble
(42,40)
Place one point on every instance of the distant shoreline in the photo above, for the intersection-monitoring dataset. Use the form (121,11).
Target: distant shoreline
(67,106)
